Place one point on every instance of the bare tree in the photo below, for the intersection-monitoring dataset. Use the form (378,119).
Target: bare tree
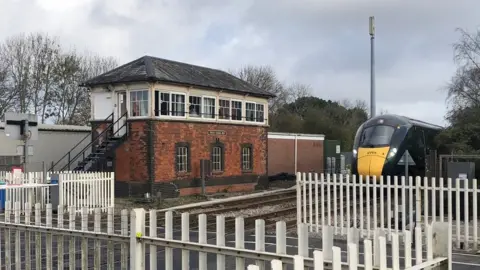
(464,97)
(6,94)
(38,76)
(27,62)
(45,53)
(66,96)
(264,77)
(16,57)
(296,91)
(384,111)
(464,88)
(357,104)
(91,66)
(71,102)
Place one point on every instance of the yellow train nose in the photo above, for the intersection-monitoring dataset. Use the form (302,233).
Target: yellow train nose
(371,161)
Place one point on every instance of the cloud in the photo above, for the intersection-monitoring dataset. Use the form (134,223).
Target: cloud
(321,43)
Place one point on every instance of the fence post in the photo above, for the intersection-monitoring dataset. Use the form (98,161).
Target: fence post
(299,198)
(442,241)
(418,202)
(260,241)
(353,235)
(368,250)
(239,241)
(220,228)
(327,242)
(112,189)
(336,258)
(303,240)
(376,246)
(60,189)
(281,239)
(137,229)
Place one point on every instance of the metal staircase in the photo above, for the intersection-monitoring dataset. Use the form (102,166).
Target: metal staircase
(100,153)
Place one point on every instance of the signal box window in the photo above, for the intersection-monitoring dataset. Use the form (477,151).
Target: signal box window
(139,103)
(182,157)
(217,156)
(247,157)
(194,110)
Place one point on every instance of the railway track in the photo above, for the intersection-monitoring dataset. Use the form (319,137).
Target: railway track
(270,217)
(231,213)
(288,214)
(249,209)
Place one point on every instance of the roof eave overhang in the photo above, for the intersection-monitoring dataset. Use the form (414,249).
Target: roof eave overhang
(154,79)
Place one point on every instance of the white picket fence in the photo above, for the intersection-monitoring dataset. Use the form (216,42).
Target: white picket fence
(30,187)
(30,177)
(91,190)
(161,247)
(343,201)
(79,189)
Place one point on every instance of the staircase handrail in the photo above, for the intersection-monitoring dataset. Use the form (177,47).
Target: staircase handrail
(71,149)
(96,138)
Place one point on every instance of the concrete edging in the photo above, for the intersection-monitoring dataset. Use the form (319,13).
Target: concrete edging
(230,199)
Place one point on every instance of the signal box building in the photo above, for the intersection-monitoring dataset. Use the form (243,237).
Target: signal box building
(163,117)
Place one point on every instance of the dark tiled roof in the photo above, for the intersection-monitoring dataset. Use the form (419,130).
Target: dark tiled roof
(149,68)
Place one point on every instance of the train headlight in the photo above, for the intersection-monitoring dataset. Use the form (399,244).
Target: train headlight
(392,153)
(354,153)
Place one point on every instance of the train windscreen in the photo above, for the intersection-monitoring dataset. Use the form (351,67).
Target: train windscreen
(376,136)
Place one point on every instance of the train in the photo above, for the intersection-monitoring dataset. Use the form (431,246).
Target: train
(381,142)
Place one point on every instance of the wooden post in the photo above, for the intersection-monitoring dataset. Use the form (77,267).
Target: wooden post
(137,249)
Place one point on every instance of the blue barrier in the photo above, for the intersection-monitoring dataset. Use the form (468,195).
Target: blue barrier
(54,191)
(3,196)
(54,178)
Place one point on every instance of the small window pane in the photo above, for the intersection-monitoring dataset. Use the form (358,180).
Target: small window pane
(260,115)
(165,103)
(224,110)
(246,158)
(208,107)
(237,110)
(250,111)
(139,101)
(178,105)
(194,110)
(217,158)
(182,159)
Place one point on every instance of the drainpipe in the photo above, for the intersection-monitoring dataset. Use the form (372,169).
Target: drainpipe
(296,154)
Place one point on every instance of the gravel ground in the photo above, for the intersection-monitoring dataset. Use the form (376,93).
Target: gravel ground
(131,203)
(259,210)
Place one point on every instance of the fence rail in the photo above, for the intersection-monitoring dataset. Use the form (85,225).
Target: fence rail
(391,203)
(138,242)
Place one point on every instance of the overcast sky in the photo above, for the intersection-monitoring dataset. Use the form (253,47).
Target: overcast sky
(324,43)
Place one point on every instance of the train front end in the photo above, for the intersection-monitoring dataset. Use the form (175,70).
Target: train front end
(375,148)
